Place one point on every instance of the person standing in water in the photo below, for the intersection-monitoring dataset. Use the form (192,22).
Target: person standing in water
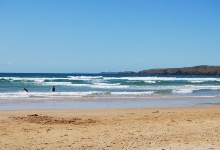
(53,89)
(25,89)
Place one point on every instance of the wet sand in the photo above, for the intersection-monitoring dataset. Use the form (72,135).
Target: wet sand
(113,129)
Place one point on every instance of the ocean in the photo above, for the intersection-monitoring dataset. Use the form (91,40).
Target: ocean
(106,87)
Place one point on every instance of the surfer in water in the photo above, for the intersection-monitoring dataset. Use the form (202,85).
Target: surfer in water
(25,89)
(53,89)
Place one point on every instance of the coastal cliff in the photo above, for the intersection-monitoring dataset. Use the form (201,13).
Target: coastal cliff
(196,70)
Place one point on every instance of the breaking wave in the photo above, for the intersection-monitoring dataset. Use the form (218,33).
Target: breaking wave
(105,85)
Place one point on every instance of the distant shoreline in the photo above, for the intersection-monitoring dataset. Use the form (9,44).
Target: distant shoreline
(196,70)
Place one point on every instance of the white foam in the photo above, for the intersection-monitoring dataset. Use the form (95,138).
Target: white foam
(196,81)
(41,80)
(108,86)
(37,79)
(133,93)
(84,77)
(58,83)
(94,85)
(191,88)
(42,94)
(204,87)
(183,91)
(150,81)
(101,79)
(19,95)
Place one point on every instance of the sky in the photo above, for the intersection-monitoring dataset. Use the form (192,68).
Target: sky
(92,36)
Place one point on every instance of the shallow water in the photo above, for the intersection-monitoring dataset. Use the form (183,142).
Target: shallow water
(105,85)
(103,103)
(83,91)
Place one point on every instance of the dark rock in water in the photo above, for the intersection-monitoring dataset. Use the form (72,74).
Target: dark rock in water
(197,70)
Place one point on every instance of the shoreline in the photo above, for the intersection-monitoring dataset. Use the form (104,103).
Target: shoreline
(106,103)
(194,127)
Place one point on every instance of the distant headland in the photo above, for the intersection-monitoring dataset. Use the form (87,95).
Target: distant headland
(196,70)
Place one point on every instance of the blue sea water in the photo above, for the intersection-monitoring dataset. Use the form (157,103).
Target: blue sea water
(106,86)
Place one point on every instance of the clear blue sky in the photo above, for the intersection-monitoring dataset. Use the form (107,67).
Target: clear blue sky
(107,35)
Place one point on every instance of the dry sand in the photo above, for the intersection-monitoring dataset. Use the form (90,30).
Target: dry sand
(145,128)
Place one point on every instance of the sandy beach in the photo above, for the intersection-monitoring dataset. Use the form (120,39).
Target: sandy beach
(139,128)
